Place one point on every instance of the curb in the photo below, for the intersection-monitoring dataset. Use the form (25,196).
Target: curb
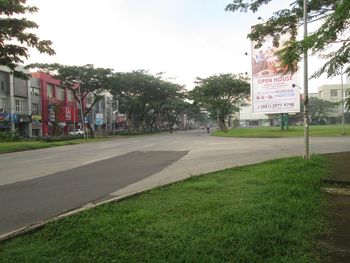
(41,224)
(336,182)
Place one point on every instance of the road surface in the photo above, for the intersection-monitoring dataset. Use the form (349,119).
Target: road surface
(40,184)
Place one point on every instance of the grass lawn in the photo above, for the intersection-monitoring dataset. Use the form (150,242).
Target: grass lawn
(270,212)
(6,147)
(294,131)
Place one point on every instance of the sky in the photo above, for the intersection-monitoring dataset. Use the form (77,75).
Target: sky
(184,39)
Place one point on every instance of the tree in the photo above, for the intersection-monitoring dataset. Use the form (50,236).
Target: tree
(15,35)
(143,96)
(130,88)
(334,19)
(92,81)
(163,96)
(319,109)
(220,95)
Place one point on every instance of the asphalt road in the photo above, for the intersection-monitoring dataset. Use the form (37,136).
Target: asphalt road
(30,201)
(37,185)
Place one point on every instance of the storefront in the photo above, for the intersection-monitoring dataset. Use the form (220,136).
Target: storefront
(24,125)
(5,121)
(36,126)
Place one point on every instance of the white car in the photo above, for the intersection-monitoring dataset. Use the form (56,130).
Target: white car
(76,132)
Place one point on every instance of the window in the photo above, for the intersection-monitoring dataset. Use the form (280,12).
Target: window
(70,95)
(36,132)
(3,104)
(35,91)
(60,94)
(17,105)
(49,91)
(334,93)
(20,106)
(2,86)
(35,109)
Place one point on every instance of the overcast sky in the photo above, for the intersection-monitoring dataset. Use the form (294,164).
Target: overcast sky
(183,38)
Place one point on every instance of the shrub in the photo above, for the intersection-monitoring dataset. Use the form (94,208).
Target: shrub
(9,136)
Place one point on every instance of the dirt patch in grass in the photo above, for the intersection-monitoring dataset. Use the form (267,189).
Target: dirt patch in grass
(337,242)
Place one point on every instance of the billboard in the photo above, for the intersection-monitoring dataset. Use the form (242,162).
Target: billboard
(272,91)
(99,119)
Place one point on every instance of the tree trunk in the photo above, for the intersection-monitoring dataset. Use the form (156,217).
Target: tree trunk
(222,125)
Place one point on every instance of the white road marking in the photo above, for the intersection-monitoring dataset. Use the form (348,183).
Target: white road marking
(99,159)
(38,159)
(149,145)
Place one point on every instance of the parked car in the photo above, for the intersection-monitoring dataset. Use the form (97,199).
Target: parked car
(76,132)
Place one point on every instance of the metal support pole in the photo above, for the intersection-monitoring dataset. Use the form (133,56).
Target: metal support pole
(306,91)
(342,102)
(74,111)
(218,118)
(81,110)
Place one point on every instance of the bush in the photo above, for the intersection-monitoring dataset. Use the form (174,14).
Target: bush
(9,136)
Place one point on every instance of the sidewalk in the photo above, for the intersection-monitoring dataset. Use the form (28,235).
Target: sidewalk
(338,189)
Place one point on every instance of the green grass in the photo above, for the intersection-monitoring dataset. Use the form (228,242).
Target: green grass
(7,147)
(270,212)
(294,131)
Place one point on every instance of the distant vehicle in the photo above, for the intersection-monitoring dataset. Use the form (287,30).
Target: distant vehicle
(76,132)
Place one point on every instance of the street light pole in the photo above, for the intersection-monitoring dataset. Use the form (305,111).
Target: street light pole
(81,110)
(306,90)
(342,101)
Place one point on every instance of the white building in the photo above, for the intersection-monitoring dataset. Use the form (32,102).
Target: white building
(247,118)
(15,102)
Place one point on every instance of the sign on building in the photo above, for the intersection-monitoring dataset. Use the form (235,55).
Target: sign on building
(272,91)
(99,119)
(68,113)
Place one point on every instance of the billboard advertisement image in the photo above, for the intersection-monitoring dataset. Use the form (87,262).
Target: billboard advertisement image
(272,88)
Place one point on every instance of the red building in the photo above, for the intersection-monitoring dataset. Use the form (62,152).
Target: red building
(59,108)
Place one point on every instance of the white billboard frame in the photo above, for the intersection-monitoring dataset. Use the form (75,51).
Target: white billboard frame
(272,91)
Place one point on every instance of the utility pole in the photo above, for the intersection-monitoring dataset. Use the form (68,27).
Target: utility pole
(306,90)
(342,102)
(81,109)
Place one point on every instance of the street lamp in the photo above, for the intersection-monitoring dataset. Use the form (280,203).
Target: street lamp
(81,109)
(306,89)
(342,101)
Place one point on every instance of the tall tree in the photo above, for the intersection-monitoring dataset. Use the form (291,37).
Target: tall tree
(319,109)
(15,33)
(334,19)
(221,95)
(143,96)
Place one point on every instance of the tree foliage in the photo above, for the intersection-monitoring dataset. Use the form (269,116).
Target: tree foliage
(320,109)
(15,33)
(221,95)
(334,19)
(144,97)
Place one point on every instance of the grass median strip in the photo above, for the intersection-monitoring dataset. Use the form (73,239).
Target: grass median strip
(294,131)
(270,212)
(7,147)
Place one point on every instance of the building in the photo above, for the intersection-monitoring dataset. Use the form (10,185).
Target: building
(102,116)
(56,110)
(247,118)
(15,102)
(333,93)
